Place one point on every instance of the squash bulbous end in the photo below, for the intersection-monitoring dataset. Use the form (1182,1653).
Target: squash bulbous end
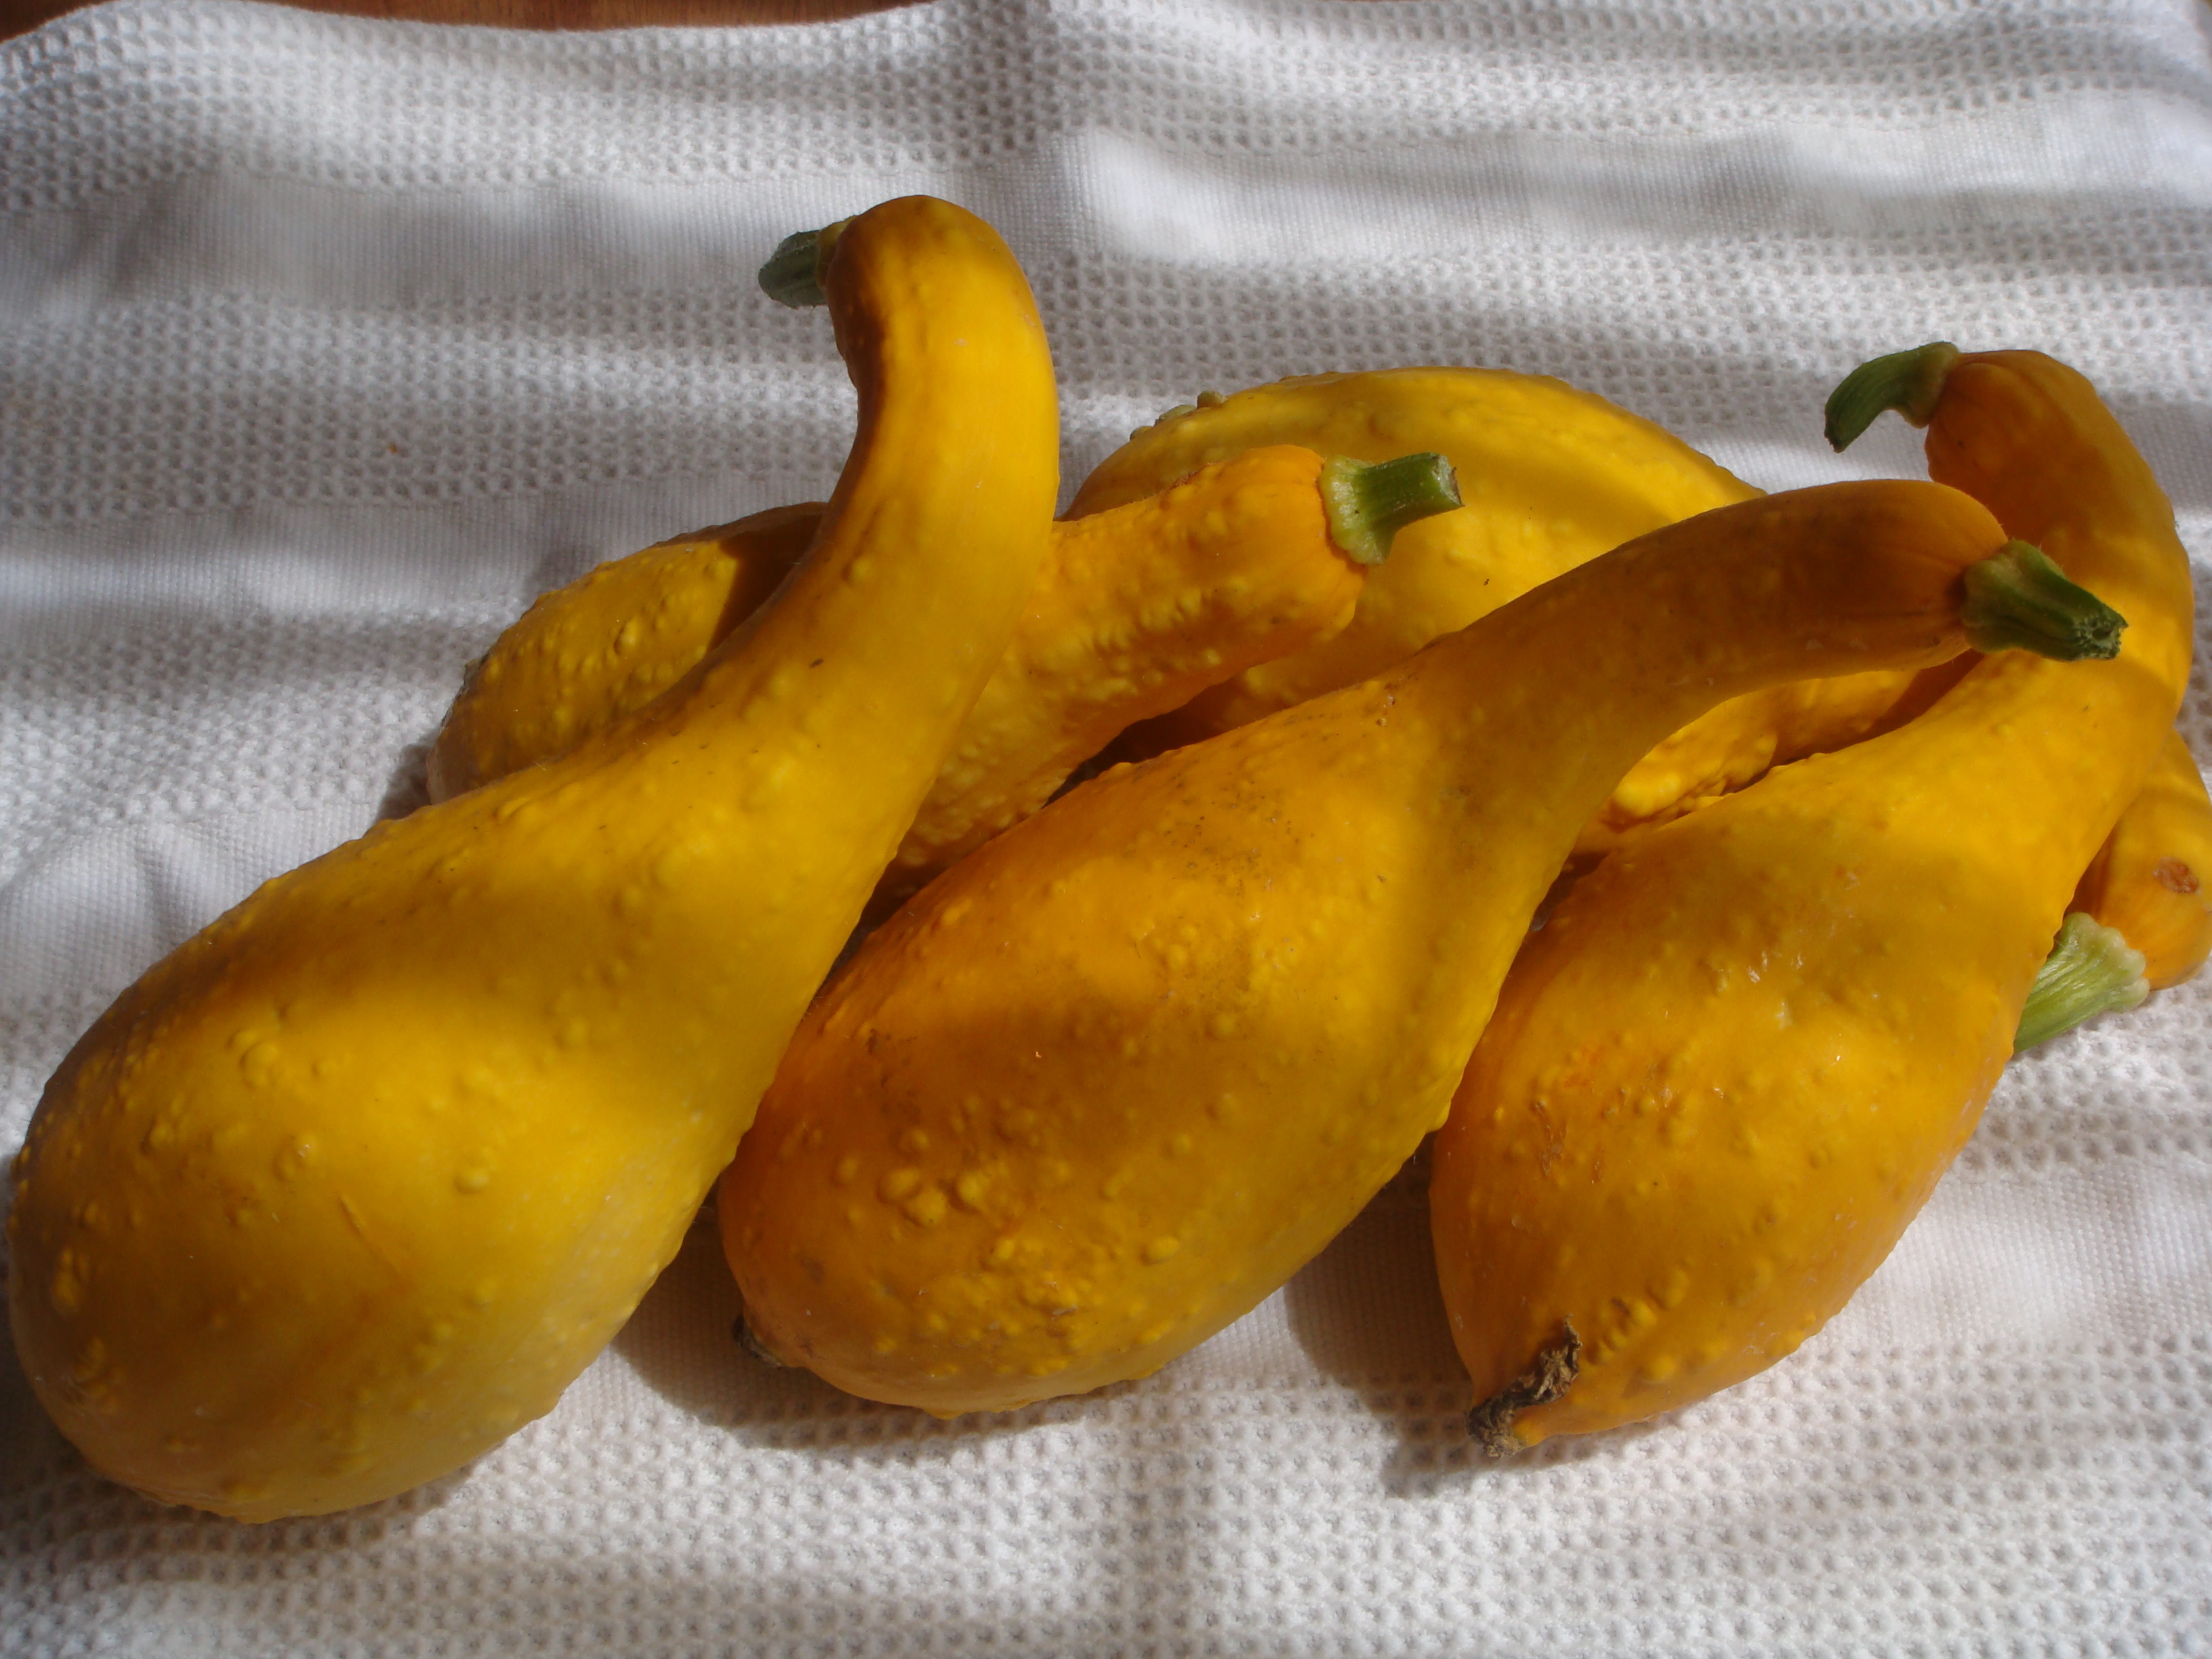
(2018,600)
(1548,1377)
(2091,970)
(1909,382)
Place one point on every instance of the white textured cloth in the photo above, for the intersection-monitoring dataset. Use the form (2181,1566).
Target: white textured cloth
(326,343)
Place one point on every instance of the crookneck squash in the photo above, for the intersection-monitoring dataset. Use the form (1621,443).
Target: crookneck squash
(354,1181)
(1732,1066)
(1552,475)
(1113,1078)
(1135,610)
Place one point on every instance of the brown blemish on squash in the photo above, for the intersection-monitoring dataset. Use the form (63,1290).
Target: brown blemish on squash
(1549,1376)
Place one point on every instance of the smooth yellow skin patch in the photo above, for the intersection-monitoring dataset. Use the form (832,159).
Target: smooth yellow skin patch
(1729,1071)
(1109,1081)
(355,1181)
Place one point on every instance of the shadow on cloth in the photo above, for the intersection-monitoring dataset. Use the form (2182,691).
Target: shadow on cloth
(682,1344)
(1366,1314)
(1369,1315)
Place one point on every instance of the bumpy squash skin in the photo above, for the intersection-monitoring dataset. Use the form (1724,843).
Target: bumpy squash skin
(1139,608)
(2151,880)
(1136,609)
(606,645)
(1732,1065)
(358,1179)
(1105,1083)
(1552,476)
(610,642)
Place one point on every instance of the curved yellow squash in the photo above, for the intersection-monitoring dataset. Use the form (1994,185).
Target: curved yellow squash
(1112,1079)
(610,642)
(1552,476)
(1565,475)
(1141,607)
(358,1179)
(1737,743)
(1135,611)
(1732,1065)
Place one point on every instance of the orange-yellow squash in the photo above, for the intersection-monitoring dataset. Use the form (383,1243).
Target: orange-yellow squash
(1239,564)
(1740,741)
(2149,882)
(1730,1068)
(359,1178)
(1552,476)
(1109,1081)
(610,642)
(1135,611)
(2141,920)
(1565,475)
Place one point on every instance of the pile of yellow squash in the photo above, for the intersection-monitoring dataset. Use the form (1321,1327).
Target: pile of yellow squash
(357,1180)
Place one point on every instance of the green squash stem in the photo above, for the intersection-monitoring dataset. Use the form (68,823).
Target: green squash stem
(1909,382)
(2091,970)
(1367,504)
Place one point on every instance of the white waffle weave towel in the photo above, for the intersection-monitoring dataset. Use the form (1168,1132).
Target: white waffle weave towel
(325,344)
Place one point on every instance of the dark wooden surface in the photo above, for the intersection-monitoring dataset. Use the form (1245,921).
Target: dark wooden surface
(17,16)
